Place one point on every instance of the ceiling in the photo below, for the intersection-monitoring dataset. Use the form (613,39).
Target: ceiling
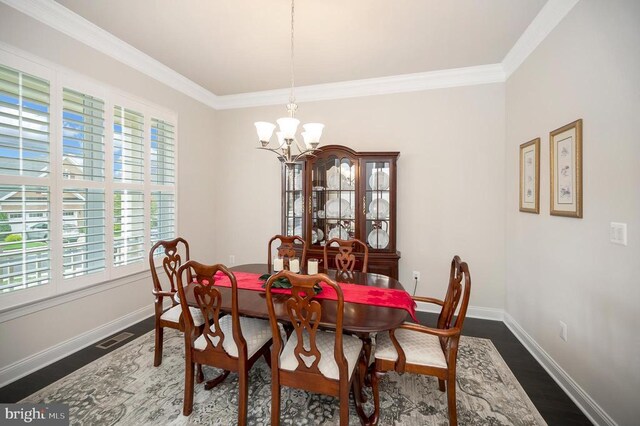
(240,46)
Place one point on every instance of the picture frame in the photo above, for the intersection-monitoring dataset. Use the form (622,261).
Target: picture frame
(565,149)
(530,176)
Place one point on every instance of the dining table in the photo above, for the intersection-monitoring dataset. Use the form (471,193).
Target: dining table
(361,319)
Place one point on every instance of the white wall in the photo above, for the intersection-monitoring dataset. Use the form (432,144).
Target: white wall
(450,179)
(39,331)
(565,269)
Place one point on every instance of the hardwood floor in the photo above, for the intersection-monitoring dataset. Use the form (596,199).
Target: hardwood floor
(552,403)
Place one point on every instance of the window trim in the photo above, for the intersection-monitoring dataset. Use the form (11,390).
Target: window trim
(60,77)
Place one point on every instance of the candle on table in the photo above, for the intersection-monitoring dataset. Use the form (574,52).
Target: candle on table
(278,264)
(294,265)
(312,266)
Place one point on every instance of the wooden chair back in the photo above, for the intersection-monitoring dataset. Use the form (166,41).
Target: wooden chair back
(286,249)
(345,259)
(173,259)
(209,300)
(305,315)
(458,293)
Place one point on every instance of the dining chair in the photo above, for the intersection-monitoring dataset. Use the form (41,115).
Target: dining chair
(414,348)
(287,249)
(313,360)
(345,259)
(231,343)
(173,251)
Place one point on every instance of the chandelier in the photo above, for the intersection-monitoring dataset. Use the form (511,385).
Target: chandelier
(289,126)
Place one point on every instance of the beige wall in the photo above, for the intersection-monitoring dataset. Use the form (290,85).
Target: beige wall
(450,179)
(46,328)
(564,269)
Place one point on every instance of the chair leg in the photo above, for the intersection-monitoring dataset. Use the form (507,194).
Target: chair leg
(441,385)
(451,400)
(188,388)
(199,374)
(375,381)
(243,385)
(157,357)
(275,399)
(344,403)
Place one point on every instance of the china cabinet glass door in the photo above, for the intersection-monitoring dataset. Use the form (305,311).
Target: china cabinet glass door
(333,199)
(294,205)
(377,204)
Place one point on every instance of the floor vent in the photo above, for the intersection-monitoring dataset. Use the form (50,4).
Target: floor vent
(114,340)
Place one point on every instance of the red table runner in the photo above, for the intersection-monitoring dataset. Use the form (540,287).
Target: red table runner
(353,293)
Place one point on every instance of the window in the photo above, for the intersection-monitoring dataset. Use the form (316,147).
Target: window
(128,145)
(83,167)
(82,136)
(24,165)
(82,202)
(128,227)
(163,179)
(83,231)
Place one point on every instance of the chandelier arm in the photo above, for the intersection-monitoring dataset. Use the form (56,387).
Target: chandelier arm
(275,151)
(307,153)
(301,147)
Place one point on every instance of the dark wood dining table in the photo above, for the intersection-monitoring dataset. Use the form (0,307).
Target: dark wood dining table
(360,319)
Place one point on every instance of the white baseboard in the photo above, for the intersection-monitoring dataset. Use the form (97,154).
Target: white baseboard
(493,314)
(584,402)
(19,369)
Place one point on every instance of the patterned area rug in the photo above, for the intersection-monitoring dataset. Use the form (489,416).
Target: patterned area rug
(124,388)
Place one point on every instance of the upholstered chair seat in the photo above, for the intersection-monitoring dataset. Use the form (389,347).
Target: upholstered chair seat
(256,332)
(326,344)
(173,315)
(419,348)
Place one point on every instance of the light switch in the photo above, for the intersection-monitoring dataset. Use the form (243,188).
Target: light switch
(618,233)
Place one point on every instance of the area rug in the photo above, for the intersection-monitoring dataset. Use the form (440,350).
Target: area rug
(123,388)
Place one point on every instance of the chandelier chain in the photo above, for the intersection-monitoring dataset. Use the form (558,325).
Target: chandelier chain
(292,98)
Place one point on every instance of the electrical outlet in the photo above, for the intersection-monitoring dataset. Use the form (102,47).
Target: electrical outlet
(416,275)
(232,260)
(563,331)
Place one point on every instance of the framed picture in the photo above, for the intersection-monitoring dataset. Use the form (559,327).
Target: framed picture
(565,147)
(530,176)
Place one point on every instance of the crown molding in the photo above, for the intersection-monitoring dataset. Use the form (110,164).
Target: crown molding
(64,20)
(75,26)
(547,19)
(468,76)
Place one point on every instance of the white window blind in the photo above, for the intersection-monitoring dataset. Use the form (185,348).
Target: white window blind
(128,145)
(83,136)
(163,216)
(83,231)
(162,152)
(24,124)
(79,197)
(128,227)
(25,244)
(83,207)
(24,157)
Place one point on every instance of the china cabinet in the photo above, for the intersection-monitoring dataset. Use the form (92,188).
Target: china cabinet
(341,193)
